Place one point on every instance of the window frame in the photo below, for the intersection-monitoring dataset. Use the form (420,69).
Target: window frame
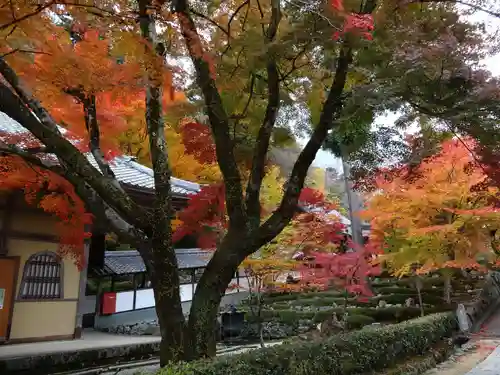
(55,259)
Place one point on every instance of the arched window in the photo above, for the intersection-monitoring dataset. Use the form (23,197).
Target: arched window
(42,277)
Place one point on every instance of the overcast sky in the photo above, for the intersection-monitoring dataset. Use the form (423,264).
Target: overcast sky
(325,159)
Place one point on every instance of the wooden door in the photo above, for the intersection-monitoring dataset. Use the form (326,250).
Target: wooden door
(8,271)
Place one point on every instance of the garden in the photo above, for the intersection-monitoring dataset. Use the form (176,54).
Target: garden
(298,314)
(267,78)
(406,328)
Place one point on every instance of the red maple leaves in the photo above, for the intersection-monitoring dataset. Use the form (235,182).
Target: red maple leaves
(197,140)
(361,24)
(348,271)
(204,217)
(54,195)
(313,197)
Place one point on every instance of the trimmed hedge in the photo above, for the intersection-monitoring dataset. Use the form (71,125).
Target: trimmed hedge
(421,363)
(355,353)
(373,301)
(303,295)
(359,321)
(402,290)
(387,314)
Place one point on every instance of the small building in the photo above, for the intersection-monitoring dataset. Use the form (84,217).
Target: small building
(39,291)
(43,297)
(120,291)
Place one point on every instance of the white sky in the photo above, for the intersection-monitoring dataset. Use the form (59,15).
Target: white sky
(325,159)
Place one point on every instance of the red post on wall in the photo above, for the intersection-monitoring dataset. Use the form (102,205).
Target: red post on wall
(108,303)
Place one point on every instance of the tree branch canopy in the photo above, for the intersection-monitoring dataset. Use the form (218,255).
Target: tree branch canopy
(219,121)
(45,129)
(331,108)
(263,138)
(154,118)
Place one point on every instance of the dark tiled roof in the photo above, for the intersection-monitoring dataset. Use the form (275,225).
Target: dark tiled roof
(129,261)
(126,169)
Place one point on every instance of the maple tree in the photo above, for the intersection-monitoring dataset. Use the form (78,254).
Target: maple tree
(349,271)
(257,66)
(262,276)
(435,220)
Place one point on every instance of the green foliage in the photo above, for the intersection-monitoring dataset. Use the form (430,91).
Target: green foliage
(358,321)
(355,353)
(304,295)
(387,314)
(419,364)
(397,298)
(402,290)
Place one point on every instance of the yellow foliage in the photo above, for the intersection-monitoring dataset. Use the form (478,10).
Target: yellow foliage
(436,221)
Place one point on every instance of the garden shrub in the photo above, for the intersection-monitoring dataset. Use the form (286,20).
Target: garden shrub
(392,299)
(269,299)
(403,290)
(358,321)
(387,314)
(395,299)
(372,348)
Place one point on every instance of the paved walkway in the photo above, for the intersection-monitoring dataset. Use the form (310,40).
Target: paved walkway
(90,340)
(481,356)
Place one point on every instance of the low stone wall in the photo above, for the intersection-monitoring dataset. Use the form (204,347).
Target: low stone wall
(487,299)
(82,359)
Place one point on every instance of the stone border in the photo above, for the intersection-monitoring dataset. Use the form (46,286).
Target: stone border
(77,360)
(486,302)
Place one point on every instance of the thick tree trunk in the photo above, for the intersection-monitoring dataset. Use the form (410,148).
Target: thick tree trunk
(209,292)
(165,281)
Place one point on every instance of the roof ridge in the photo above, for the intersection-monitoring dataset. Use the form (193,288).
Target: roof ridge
(188,185)
(126,165)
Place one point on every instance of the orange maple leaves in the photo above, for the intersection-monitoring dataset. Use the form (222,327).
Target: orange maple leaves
(435,219)
(54,195)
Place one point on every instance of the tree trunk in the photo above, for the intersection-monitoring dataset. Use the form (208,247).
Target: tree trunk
(418,286)
(209,292)
(447,286)
(260,325)
(165,281)
(261,334)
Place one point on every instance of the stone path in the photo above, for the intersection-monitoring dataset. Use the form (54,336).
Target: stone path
(90,340)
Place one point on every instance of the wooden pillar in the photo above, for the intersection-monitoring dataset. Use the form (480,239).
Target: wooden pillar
(98,298)
(7,212)
(81,291)
(134,284)
(193,280)
(238,280)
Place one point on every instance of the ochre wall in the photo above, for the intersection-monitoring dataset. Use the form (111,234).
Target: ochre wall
(40,320)
(33,223)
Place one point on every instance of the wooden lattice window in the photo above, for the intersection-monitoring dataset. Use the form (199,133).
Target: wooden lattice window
(42,277)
